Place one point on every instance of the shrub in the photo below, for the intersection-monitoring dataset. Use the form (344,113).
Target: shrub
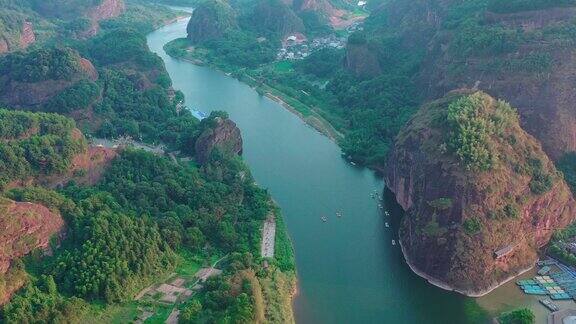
(518,316)
(472,225)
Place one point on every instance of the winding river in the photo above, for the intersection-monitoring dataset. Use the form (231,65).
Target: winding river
(348,269)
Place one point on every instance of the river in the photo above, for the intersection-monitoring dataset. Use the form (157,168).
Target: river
(348,269)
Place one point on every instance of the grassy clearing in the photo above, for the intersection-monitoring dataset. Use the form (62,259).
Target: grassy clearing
(160,315)
(283,66)
(113,314)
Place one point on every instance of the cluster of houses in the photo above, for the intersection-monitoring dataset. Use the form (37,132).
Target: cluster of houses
(297,47)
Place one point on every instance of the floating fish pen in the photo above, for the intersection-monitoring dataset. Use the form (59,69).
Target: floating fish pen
(526,282)
(544,270)
(560,296)
(548,304)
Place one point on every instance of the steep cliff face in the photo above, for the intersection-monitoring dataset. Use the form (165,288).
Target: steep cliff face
(68,10)
(105,10)
(21,37)
(276,17)
(210,20)
(480,194)
(361,60)
(532,67)
(221,134)
(25,227)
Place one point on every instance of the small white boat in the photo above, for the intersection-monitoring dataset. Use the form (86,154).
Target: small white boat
(386,224)
(352,162)
(324,219)
(393,242)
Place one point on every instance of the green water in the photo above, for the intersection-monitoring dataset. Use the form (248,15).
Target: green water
(348,270)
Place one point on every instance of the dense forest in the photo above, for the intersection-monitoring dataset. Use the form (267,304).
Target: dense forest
(35,145)
(148,215)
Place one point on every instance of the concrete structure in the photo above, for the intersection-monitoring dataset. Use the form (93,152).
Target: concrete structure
(565,316)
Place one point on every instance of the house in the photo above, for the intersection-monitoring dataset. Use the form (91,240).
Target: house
(505,251)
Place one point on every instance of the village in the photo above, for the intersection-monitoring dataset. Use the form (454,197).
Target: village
(297,46)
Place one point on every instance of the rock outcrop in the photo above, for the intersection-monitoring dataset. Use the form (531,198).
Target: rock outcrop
(480,194)
(361,60)
(275,16)
(25,227)
(19,92)
(210,20)
(105,10)
(21,38)
(27,36)
(221,134)
(537,76)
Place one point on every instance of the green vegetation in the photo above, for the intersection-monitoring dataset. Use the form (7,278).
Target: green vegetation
(41,65)
(147,216)
(518,316)
(567,164)
(472,226)
(96,268)
(35,144)
(79,96)
(511,6)
(541,180)
(143,16)
(39,302)
(557,246)
(473,123)
(441,203)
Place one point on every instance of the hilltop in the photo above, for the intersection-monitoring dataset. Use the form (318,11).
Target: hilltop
(480,194)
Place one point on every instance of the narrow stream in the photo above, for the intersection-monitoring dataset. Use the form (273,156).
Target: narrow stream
(348,269)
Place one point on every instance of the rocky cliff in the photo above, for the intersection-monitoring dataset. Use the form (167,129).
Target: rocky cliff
(22,38)
(25,227)
(105,10)
(210,20)
(217,133)
(274,16)
(533,68)
(362,60)
(480,194)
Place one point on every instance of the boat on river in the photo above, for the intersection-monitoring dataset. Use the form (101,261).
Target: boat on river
(324,219)
(393,242)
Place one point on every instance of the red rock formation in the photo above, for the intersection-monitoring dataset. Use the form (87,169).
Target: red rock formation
(106,10)
(27,36)
(223,135)
(458,218)
(3,45)
(25,227)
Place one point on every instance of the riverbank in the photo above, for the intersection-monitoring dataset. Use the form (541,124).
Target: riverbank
(181,50)
(446,286)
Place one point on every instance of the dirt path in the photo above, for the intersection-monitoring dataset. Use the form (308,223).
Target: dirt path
(268,237)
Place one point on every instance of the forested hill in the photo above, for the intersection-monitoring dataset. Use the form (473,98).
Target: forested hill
(116,220)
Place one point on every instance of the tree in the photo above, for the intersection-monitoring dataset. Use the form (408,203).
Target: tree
(518,316)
